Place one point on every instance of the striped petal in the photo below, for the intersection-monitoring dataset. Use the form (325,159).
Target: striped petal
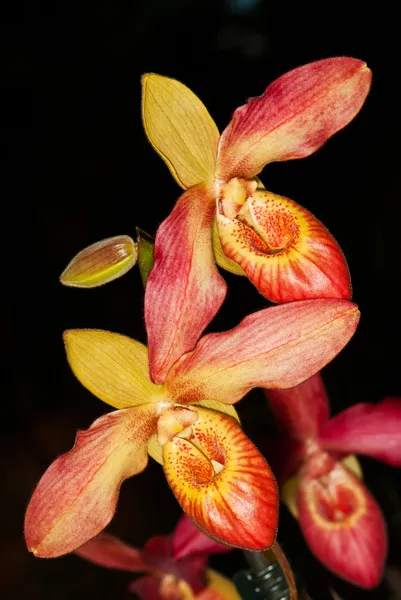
(341,522)
(113,367)
(77,496)
(223,483)
(180,129)
(370,429)
(184,290)
(275,347)
(296,115)
(284,250)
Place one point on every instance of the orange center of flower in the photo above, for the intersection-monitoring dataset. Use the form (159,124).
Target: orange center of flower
(269,224)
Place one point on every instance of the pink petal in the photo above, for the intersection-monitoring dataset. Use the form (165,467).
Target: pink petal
(188,539)
(341,521)
(275,347)
(371,429)
(301,411)
(184,290)
(77,496)
(110,552)
(296,115)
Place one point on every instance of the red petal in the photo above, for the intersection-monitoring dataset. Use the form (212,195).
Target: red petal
(296,115)
(188,539)
(184,290)
(77,496)
(371,429)
(110,552)
(275,347)
(236,503)
(284,250)
(301,411)
(341,521)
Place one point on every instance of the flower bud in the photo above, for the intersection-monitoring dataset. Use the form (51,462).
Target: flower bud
(101,262)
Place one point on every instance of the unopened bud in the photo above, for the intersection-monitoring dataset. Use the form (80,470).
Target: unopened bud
(101,262)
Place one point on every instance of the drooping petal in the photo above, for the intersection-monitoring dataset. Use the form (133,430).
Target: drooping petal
(300,412)
(180,129)
(284,250)
(223,483)
(371,429)
(188,539)
(279,346)
(113,367)
(341,522)
(218,588)
(184,290)
(155,450)
(296,115)
(77,495)
(108,551)
(101,263)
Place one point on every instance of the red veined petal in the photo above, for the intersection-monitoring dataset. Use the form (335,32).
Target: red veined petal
(371,429)
(223,483)
(108,551)
(296,115)
(301,411)
(188,539)
(77,496)
(279,346)
(284,250)
(184,290)
(341,521)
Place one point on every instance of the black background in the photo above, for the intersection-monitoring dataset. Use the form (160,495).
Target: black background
(78,168)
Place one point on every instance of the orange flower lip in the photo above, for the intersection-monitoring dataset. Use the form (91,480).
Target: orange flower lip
(214,475)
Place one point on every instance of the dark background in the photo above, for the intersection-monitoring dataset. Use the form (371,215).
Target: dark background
(78,168)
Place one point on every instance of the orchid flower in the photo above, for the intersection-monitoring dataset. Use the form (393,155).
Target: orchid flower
(218,476)
(175,564)
(280,246)
(339,518)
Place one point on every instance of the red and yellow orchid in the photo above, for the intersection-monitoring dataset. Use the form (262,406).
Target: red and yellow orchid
(187,424)
(339,518)
(281,247)
(176,565)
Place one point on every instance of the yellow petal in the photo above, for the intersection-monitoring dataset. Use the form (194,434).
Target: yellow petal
(227,409)
(180,129)
(100,263)
(218,588)
(288,491)
(221,259)
(113,367)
